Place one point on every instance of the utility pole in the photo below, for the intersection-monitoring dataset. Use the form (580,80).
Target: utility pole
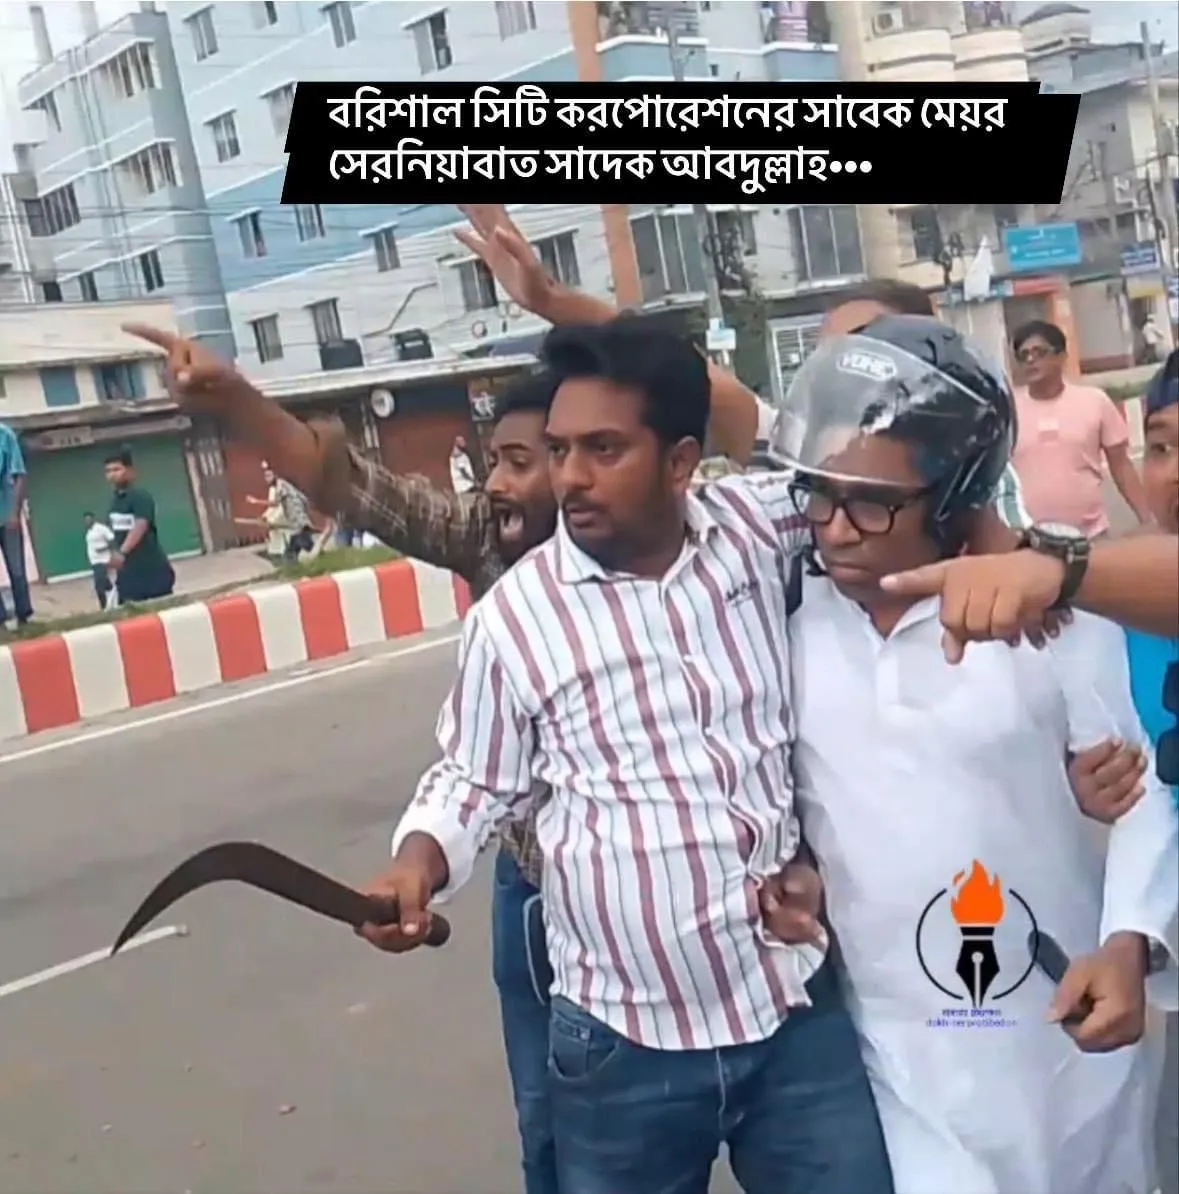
(1162,136)
(878,225)
(1122,302)
(701,216)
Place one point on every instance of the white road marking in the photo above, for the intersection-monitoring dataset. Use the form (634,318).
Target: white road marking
(232,698)
(90,959)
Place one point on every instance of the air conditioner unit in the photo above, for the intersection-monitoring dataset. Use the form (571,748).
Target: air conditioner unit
(888,20)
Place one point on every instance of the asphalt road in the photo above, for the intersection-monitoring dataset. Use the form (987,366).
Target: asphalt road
(265,1050)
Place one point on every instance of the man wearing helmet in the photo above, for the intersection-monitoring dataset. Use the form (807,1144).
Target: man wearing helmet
(922,787)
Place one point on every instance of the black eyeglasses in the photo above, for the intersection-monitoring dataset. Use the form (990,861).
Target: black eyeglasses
(870,516)
(1167,749)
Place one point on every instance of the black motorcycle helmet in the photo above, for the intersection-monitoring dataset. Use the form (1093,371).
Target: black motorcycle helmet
(911,378)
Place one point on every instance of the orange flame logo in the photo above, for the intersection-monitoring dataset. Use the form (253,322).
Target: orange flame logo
(978,901)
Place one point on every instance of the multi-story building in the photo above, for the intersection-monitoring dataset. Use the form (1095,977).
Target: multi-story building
(113,197)
(314,288)
(1107,190)
(74,386)
(1115,178)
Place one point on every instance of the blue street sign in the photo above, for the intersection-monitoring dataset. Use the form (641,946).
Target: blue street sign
(1042,247)
(1140,258)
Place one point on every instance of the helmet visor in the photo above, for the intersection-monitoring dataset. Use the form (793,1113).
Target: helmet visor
(861,410)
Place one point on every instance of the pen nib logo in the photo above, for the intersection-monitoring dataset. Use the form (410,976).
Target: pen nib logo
(977,906)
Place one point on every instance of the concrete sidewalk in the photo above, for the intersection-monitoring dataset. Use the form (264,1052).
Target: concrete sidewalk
(194,576)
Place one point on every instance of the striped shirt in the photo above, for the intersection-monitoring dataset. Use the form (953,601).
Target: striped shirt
(657,713)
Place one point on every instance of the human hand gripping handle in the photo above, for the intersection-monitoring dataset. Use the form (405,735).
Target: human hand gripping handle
(401,895)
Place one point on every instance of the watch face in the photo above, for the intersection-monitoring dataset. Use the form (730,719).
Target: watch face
(1058,530)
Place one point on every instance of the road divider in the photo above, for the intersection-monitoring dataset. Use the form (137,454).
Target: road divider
(60,680)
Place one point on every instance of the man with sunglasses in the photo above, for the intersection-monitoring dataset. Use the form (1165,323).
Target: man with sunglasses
(1065,432)
(912,775)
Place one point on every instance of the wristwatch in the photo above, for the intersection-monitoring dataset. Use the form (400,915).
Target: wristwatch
(1063,543)
(1158,957)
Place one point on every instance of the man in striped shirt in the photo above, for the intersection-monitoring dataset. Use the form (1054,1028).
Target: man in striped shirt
(636,665)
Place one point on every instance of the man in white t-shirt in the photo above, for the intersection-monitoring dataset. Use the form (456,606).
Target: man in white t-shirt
(99,538)
(462,471)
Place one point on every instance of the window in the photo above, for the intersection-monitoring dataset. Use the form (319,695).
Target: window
(670,257)
(149,267)
(826,242)
(51,292)
(737,233)
(88,288)
(514,16)
(279,102)
(264,13)
(130,72)
(120,381)
(1006,216)
(203,34)
(433,43)
(225,142)
(385,247)
(325,319)
(926,233)
(59,383)
(48,105)
(559,257)
(249,230)
(478,286)
(339,16)
(54,212)
(150,170)
(309,221)
(267,341)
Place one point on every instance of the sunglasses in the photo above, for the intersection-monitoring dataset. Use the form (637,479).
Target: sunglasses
(1027,355)
(869,515)
(1167,749)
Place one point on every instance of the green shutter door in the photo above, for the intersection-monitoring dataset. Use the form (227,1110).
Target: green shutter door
(64,485)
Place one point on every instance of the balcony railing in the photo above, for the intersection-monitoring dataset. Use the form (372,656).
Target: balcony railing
(786,23)
(622,18)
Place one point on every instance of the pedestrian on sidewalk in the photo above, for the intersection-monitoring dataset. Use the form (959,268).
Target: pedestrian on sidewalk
(144,572)
(99,541)
(1064,433)
(13,482)
(462,470)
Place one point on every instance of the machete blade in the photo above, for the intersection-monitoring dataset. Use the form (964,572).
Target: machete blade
(268,870)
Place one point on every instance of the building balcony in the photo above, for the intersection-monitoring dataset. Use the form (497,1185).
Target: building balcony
(994,55)
(629,18)
(910,56)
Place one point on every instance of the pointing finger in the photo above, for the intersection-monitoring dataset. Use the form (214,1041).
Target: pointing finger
(917,582)
(153,335)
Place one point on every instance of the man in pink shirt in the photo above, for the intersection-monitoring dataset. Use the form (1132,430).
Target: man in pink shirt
(1063,430)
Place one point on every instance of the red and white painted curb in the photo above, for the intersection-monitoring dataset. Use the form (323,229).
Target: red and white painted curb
(62,679)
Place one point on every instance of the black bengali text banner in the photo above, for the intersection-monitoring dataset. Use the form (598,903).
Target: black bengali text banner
(677,143)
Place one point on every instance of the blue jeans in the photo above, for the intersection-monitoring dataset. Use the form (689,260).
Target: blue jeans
(12,546)
(795,1110)
(523,977)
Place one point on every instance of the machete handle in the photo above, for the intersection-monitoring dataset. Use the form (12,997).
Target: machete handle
(386,912)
